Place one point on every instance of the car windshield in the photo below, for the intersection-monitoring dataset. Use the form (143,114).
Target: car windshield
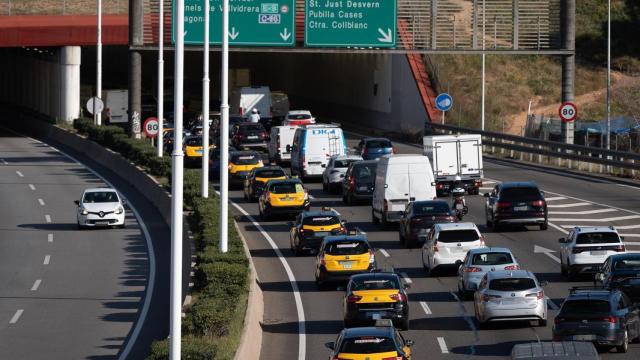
(597,238)
(344,163)
(320,220)
(588,306)
(286,188)
(627,264)
(520,194)
(365,173)
(270,173)
(367,345)
(251,127)
(512,284)
(100,197)
(347,248)
(196,141)
(245,159)
(299,117)
(376,284)
(451,236)
(425,208)
(492,258)
(374,144)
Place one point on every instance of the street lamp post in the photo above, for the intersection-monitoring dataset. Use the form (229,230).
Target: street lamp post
(224,130)
(97,115)
(160,78)
(205,105)
(609,76)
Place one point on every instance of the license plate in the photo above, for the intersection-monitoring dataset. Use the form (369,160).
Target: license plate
(287,199)
(199,152)
(520,208)
(459,206)
(584,337)
(599,252)
(376,316)
(102,223)
(346,264)
(252,137)
(459,250)
(362,188)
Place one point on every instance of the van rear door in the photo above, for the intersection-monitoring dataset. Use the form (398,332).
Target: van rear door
(420,187)
(446,158)
(470,157)
(397,183)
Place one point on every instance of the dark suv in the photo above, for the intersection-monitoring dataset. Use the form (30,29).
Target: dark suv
(621,271)
(359,180)
(420,216)
(607,318)
(516,203)
(249,135)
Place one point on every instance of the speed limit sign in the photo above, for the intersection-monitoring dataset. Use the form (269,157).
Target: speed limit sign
(568,111)
(151,127)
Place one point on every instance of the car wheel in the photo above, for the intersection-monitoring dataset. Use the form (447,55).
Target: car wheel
(404,324)
(544,226)
(563,268)
(622,348)
(637,339)
(244,194)
(121,226)
(482,325)
(495,226)
(542,323)
(571,274)
(400,237)
(425,267)
(81,227)
(374,219)
(325,187)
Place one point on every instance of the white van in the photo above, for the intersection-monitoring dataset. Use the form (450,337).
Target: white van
(280,138)
(399,180)
(312,147)
(243,100)
(116,106)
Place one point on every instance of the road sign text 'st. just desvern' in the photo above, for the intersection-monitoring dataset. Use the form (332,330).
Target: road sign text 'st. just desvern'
(251,22)
(350,23)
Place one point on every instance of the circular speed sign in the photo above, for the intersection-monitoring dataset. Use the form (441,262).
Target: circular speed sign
(150,127)
(568,111)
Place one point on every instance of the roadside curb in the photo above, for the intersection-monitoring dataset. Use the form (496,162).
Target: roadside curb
(251,338)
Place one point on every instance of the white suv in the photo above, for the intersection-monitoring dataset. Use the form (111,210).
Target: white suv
(336,169)
(587,247)
(448,243)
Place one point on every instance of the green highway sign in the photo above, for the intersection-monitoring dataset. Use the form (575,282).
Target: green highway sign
(350,23)
(251,22)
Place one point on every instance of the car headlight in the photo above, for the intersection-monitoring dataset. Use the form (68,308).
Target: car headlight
(119,210)
(83,211)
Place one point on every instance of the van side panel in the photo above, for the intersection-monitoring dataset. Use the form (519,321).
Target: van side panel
(320,144)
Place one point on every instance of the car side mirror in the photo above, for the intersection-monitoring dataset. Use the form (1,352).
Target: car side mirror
(343,221)
(330,345)
(544,283)
(562,240)
(409,343)
(486,195)
(77,202)
(407,286)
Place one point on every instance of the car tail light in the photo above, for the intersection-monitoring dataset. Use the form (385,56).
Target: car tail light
(241,111)
(435,246)
(372,257)
(353,298)
(620,248)
(538,203)
(386,205)
(322,260)
(472,269)
(503,204)
(393,150)
(365,151)
(486,297)
(611,319)
(482,242)
(352,183)
(512,267)
(439,186)
(263,134)
(398,297)
(478,182)
(539,295)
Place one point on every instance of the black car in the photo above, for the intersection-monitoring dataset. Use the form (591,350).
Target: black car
(605,317)
(516,203)
(359,181)
(249,135)
(621,271)
(419,216)
(258,177)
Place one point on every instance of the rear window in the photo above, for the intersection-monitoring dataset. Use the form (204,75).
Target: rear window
(342,163)
(365,173)
(597,238)
(299,117)
(520,194)
(367,345)
(587,306)
(252,127)
(493,258)
(245,159)
(374,144)
(376,284)
(452,236)
(270,173)
(347,248)
(320,220)
(512,284)
(431,208)
(627,264)
(286,188)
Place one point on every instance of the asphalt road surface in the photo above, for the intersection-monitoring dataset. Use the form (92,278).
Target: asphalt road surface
(442,326)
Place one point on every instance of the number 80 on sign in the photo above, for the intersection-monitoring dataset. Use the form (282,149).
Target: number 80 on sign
(568,112)
(150,127)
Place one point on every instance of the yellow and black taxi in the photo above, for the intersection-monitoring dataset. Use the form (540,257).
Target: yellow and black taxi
(193,149)
(258,177)
(283,197)
(379,342)
(341,256)
(240,165)
(374,296)
(311,227)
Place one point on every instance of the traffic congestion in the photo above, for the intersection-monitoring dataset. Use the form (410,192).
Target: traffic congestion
(424,199)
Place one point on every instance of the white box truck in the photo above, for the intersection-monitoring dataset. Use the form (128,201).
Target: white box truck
(453,155)
(243,100)
(116,106)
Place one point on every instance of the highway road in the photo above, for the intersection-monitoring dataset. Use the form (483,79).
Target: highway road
(66,293)
(441,325)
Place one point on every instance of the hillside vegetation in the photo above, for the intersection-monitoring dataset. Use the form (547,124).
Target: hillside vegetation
(513,81)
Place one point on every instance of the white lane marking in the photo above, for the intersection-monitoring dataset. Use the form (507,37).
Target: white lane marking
(19,173)
(311,197)
(586,212)
(443,345)
(617,218)
(486,188)
(302,340)
(627,227)
(36,285)
(406,278)
(33,188)
(16,316)
(5,162)
(50,237)
(551,304)
(384,252)
(41,202)
(555,198)
(47,259)
(539,249)
(630,235)
(559,228)
(629,186)
(568,205)
(488,181)
(596,203)
(361,232)
(47,218)
(632,243)
(425,307)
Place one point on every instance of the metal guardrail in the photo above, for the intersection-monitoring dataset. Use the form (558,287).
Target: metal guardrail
(568,155)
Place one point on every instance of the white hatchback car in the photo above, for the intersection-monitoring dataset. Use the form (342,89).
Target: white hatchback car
(100,207)
(586,248)
(447,244)
(336,169)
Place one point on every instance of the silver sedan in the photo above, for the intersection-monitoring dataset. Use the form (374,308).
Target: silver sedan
(510,295)
(480,261)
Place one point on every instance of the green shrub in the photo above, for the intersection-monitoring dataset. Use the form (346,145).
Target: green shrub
(211,254)
(222,279)
(211,316)
(193,348)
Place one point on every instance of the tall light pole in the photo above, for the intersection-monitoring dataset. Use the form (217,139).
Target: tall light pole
(205,105)
(176,190)
(97,115)
(609,76)
(483,68)
(161,78)
(224,129)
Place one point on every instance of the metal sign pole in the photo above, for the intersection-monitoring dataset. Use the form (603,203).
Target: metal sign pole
(205,105)
(224,130)
(161,78)
(609,77)
(98,115)
(175,333)
(483,69)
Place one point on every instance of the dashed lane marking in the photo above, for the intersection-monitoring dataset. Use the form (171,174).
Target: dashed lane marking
(406,278)
(556,198)
(630,235)
(425,307)
(50,237)
(41,202)
(33,188)
(47,218)
(384,252)
(569,205)
(551,304)
(617,218)
(19,173)
(36,285)
(47,259)
(586,212)
(4,162)
(16,316)
(443,345)
(559,228)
